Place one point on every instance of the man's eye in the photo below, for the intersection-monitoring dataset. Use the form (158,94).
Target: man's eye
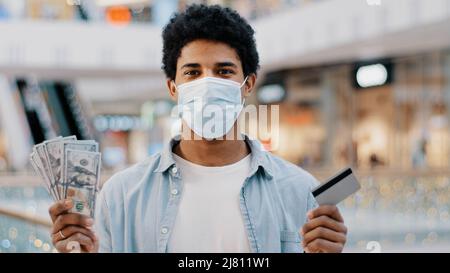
(192,73)
(225,71)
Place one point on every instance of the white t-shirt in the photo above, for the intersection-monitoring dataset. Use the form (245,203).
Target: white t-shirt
(209,217)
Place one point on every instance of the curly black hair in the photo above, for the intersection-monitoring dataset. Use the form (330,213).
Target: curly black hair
(214,23)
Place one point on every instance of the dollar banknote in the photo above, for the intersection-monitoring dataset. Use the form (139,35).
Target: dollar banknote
(85,145)
(38,169)
(45,165)
(82,177)
(69,168)
(54,152)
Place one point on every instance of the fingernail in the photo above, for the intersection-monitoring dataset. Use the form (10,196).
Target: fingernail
(68,203)
(310,215)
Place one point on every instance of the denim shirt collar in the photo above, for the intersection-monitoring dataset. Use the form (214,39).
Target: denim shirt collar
(259,159)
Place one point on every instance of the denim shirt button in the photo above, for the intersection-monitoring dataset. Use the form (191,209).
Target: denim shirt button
(174,170)
(164,230)
(174,192)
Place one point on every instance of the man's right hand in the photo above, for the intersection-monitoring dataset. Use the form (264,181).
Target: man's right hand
(72,232)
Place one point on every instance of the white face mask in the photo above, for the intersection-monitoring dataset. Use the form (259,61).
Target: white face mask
(210,106)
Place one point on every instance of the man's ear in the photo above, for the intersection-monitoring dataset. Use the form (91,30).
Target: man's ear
(172,89)
(250,84)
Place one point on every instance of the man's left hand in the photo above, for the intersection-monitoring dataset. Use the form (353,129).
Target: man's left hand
(325,231)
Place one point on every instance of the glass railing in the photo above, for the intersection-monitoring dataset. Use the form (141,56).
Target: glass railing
(399,212)
(396,211)
(23,237)
(24,221)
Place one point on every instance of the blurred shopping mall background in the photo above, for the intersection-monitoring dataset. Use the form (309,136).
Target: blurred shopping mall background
(360,83)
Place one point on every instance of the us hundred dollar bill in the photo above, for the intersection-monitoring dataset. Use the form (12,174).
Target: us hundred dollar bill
(82,177)
(42,159)
(80,145)
(55,159)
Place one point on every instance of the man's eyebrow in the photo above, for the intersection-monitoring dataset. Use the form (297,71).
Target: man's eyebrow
(191,65)
(224,64)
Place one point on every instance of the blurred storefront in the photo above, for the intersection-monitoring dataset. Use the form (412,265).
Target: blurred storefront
(403,124)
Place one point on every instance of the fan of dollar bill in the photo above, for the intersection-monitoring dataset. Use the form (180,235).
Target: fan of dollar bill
(70,169)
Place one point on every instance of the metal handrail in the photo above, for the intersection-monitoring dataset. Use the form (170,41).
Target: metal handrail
(25,217)
(30,179)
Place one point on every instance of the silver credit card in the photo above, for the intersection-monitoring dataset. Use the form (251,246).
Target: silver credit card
(337,188)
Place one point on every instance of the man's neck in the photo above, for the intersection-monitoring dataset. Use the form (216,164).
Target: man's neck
(213,153)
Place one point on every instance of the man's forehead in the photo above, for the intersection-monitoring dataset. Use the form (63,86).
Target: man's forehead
(217,64)
(205,52)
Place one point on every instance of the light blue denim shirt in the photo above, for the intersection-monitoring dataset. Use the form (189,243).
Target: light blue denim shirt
(136,208)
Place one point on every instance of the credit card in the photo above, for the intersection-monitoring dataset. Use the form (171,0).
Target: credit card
(337,188)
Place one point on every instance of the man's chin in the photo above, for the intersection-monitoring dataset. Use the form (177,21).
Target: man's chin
(214,139)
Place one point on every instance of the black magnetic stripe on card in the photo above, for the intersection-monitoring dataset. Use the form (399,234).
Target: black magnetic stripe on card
(332,182)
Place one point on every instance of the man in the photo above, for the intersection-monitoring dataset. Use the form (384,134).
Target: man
(209,191)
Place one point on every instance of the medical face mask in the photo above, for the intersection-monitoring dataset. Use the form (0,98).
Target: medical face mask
(210,106)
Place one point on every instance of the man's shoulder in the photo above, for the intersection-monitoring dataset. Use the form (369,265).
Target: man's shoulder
(132,175)
(292,183)
(288,174)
